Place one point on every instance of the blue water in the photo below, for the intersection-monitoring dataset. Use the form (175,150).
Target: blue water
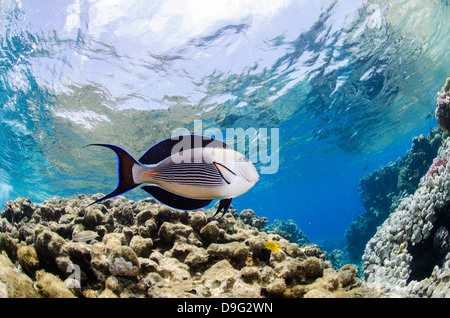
(347,84)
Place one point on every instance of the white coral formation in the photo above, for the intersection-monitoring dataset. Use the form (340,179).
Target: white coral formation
(409,255)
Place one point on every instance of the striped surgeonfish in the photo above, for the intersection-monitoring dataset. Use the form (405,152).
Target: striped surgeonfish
(186,172)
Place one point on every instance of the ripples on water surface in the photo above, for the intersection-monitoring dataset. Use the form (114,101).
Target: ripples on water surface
(348,84)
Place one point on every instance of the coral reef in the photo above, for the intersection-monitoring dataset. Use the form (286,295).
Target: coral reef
(437,162)
(288,230)
(382,190)
(336,258)
(249,217)
(409,254)
(145,249)
(443,107)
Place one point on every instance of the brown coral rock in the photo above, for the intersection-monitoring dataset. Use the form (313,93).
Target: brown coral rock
(169,232)
(210,232)
(234,252)
(28,258)
(145,249)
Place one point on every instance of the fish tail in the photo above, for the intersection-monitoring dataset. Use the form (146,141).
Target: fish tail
(125,171)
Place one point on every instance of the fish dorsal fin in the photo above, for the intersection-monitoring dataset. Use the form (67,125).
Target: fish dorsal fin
(225,173)
(174,200)
(169,146)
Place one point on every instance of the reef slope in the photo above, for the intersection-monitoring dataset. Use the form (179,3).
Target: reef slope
(410,253)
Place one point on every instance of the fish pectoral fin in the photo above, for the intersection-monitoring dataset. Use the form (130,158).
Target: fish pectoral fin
(223,204)
(225,173)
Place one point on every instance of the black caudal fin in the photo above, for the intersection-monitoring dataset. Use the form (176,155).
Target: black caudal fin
(125,171)
(223,204)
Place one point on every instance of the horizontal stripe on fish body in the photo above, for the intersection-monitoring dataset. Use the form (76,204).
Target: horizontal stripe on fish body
(85,236)
(198,174)
(206,176)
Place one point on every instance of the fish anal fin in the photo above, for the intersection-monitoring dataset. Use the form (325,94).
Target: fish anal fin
(174,200)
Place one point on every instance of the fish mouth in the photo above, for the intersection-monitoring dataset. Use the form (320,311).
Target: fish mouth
(249,173)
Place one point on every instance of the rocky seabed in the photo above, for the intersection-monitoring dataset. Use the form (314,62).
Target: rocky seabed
(145,249)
